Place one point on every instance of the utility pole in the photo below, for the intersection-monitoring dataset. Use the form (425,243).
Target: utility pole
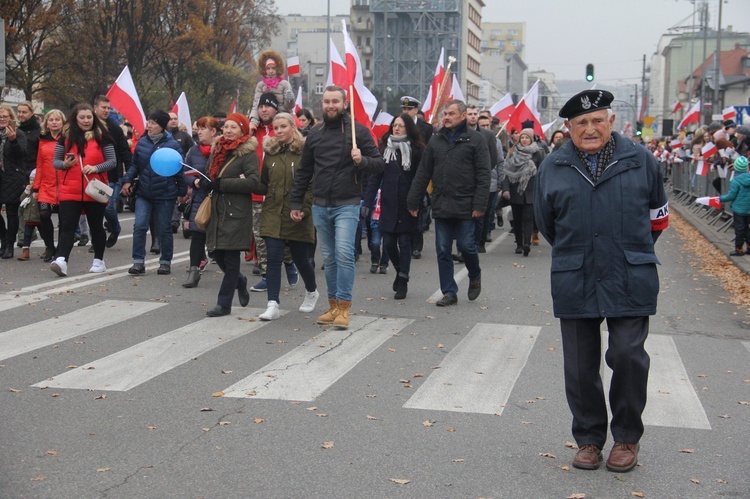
(384,105)
(328,38)
(703,64)
(644,109)
(717,67)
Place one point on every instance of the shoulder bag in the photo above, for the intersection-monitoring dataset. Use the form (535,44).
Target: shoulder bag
(203,215)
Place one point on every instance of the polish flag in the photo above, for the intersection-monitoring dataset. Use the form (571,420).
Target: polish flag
(526,110)
(337,72)
(437,80)
(713,202)
(548,126)
(124,98)
(709,150)
(677,106)
(233,107)
(676,143)
(702,168)
(503,108)
(456,92)
(729,113)
(292,66)
(381,125)
(363,102)
(182,111)
(692,116)
(298,102)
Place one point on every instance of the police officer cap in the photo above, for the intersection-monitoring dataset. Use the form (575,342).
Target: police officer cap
(408,102)
(587,101)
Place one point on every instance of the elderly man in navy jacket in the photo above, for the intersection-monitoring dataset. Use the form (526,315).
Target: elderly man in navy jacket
(600,202)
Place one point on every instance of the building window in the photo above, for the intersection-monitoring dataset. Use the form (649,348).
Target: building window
(319,71)
(319,88)
(513,32)
(496,32)
(495,53)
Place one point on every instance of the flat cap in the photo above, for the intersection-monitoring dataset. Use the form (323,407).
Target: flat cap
(587,101)
(409,102)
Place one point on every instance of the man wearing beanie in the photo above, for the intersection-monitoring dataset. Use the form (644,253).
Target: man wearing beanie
(600,202)
(332,164)
(155,194)
(739,195)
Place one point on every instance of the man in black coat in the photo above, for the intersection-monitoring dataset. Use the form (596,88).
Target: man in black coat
(124,157)
(28,123)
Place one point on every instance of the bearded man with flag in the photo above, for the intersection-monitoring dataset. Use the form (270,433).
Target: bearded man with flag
(600,202)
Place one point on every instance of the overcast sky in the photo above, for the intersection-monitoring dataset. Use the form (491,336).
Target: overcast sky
(562,36)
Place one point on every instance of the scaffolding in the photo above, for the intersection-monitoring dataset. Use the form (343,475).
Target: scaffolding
(408,36)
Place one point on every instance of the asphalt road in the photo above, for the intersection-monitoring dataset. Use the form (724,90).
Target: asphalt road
(110,384)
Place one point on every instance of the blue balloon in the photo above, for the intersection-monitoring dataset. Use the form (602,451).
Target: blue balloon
(166,162)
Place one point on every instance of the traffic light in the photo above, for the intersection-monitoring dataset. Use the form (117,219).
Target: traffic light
(589,72)
(639,128)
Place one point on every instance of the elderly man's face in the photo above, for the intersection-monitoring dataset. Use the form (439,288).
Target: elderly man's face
(452,117)
(590,132)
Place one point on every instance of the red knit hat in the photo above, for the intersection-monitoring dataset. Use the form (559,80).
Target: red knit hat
(241,120)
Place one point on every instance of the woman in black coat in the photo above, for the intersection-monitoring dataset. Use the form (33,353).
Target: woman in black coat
(13,177)
(402,149)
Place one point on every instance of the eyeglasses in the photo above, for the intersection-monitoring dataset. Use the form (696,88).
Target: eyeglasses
(4,117)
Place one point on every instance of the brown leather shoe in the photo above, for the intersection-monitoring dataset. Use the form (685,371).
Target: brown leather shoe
(588,457)
(623,457)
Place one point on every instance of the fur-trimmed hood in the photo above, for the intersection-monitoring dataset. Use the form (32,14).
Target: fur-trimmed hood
(271,54)
(246,148)
(271,145)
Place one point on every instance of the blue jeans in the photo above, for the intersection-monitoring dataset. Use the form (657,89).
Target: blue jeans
(374,242)
(162,209)
(336,226)
(110,212)
(446,229)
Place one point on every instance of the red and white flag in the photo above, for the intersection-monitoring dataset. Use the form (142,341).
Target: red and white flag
(548,126)
(503,108)
(456,92)
(526,111)
(676,143)
(677,106)
(124,98)
(702,168)
(292,66)
(298,102)
(233,107)
(432,93)
(337,72)
(182,111)
(692,116)
(381,125)
(708,150)
(729,113)
(363,102)
(713,202)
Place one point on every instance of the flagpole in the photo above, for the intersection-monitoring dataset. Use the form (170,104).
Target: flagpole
(440,88)
(351,112)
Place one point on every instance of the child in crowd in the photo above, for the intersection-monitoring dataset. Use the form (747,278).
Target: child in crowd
(739,195)
(271,68)
(29,213)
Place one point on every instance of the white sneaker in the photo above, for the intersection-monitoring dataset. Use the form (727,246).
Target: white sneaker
(310,300)
(97,267)
(59,266)
(271,313)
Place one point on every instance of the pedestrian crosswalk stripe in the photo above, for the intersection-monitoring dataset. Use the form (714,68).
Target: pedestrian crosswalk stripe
(672,400)
(747,345)
(133,366)
(459,276)
(308,370)
(478,375)
(82,321)
(42,291)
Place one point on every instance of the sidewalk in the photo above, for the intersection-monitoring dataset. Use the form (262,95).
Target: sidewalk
(717,230)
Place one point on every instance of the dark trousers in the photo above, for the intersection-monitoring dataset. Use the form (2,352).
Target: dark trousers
(70,213)
(8,235)
(483,223)
(300,252)
(197,247)
(46,227)
(229,263)
(523,223)
(398,248)
(629,362)
(741,231)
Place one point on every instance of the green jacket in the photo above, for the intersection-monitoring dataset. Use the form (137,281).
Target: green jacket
(231,223)
(276,182)
(739,194)
(30,212)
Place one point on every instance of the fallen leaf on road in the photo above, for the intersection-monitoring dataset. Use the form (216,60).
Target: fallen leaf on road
(695,481)
(258,420)
(206,429)
(321,415)
(151,427)
(313,408)
(687,451)
(227,372)
(207,409)
(71,367)
(440,345)
(391,349)
(721,480)
(102,470)
(665,392)
(725,416)
(417,375)
(372,418)
(526,422)
(38,478)
(742,402)
(450,428)
(224,423)
(576,496)
(637,494)
(571,445)
(217,394)
(102,396)
(428,423)
(14,390)
(400,481)
(327,445)
(565,467)
(547,454)
(371,395)
(52,452)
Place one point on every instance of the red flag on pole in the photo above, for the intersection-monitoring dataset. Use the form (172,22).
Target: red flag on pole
(124,97)
(456,92)
(692,116)
(526,111)
(233,107)
(432,93)
(292,66)
(182,111)
(503,108)
(337,72)
(709,150)
(381,125)
(729,113)
(677,106)
(363,102)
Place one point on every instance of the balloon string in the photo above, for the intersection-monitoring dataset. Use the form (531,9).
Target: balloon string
(196,171)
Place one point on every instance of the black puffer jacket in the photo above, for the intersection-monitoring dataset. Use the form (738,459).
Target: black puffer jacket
(327,163)
(33,130)
(13,174)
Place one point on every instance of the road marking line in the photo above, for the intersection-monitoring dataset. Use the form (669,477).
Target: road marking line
(459,276)
(672,400)
(32,294)
(133,366)
(747,345)
(85,320)
(308,370)
(479,373)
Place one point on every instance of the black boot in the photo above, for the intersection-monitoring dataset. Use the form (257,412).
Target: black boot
(401,288)
(194,275)
(8,253)
(395,281)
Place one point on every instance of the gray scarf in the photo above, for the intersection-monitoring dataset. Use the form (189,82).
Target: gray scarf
(519,167)
(398,143)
